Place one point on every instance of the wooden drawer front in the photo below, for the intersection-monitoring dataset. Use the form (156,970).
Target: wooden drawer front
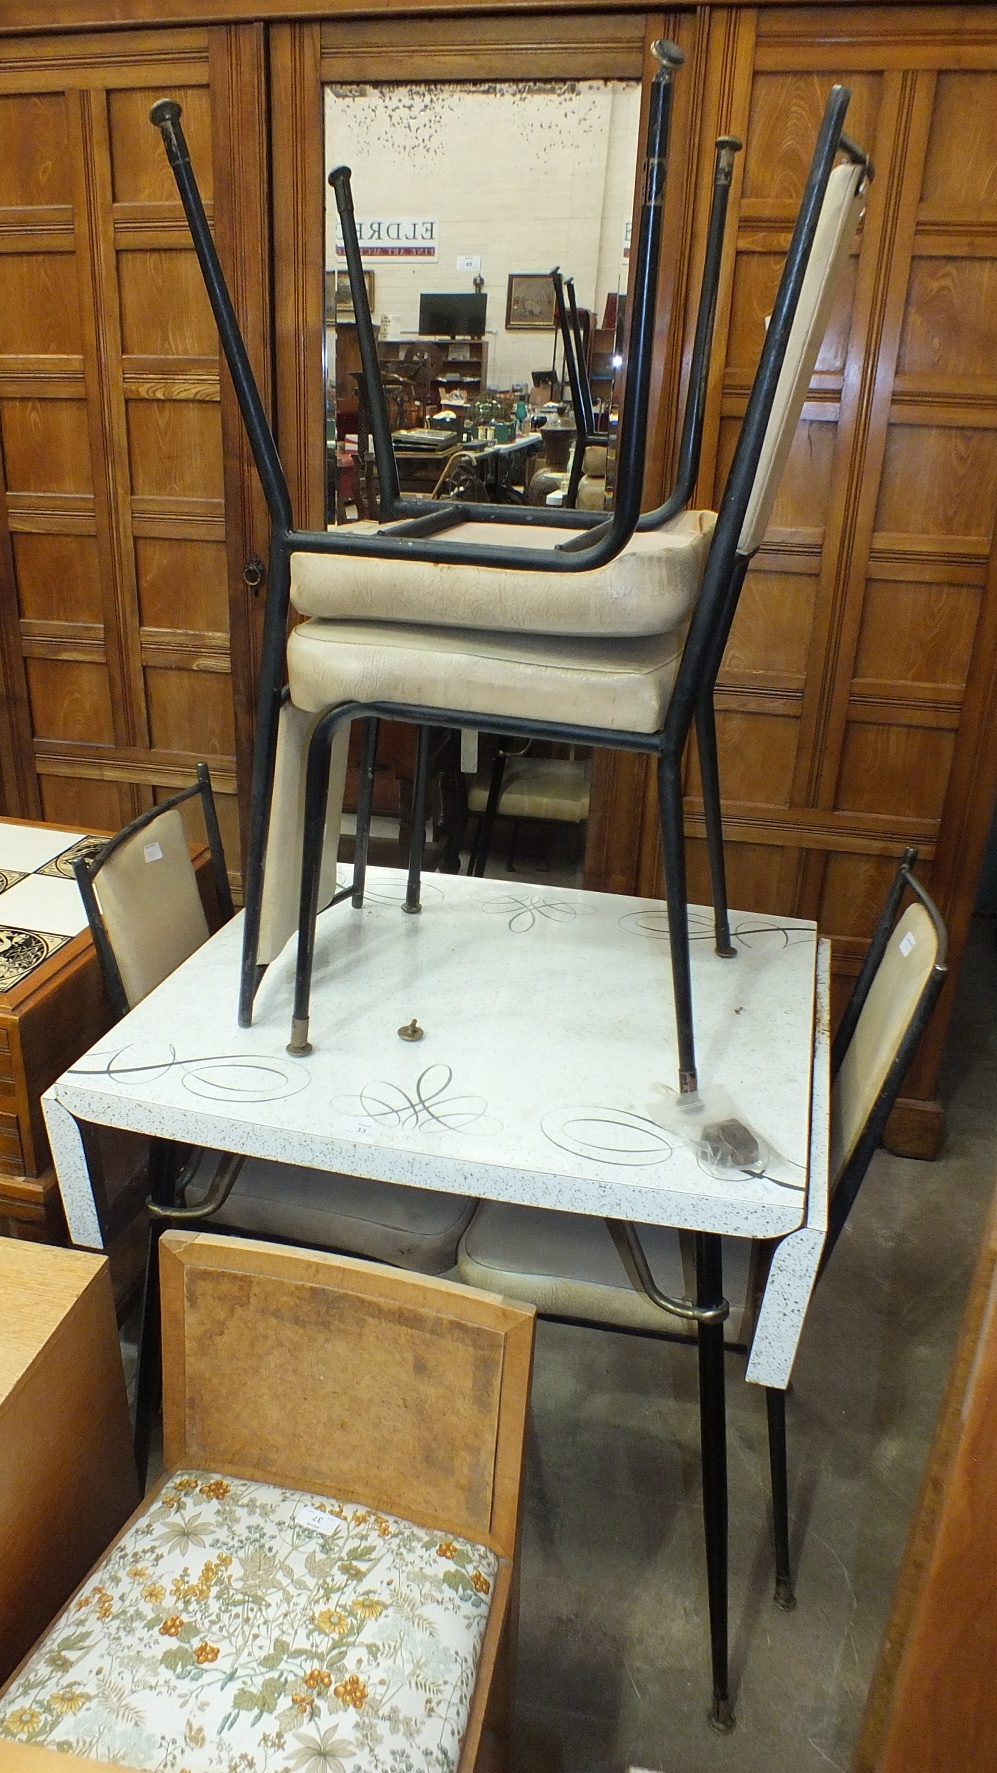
(11,1154)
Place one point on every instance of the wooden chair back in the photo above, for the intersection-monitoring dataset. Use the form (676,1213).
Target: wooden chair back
(326,1373)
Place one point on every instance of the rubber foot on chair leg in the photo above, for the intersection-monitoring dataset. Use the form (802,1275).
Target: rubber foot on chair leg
(726,950)
(722,1718)
(784,1596)
(299,1043)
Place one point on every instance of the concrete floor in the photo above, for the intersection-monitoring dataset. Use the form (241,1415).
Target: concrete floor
(614,1666)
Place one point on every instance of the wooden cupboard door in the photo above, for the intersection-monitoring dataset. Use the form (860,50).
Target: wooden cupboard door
(124,532)
(857,698)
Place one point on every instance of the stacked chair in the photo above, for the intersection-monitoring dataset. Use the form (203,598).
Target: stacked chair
(490,618)
(556,624)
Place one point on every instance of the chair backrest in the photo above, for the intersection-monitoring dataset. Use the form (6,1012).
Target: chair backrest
(142,900)
(896,998)
(836,226)
(358,1381)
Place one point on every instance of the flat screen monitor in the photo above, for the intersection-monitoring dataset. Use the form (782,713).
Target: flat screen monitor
(452,316)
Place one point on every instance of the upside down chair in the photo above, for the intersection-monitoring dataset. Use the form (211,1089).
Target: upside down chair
(557,624)
(492,618)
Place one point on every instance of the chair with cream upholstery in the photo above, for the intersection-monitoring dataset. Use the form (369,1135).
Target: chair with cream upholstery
(479,617)
(578,1269)
(551,790)
(630,647)
(145,911)
(326,1577)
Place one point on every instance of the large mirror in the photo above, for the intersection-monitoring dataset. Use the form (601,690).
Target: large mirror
(467,194)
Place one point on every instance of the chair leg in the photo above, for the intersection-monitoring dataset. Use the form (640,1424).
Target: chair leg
(706,738)
(775,1408)
(149,1377)
(264,759)
(673,850)
(513,840)
(713,1440)
(313,838)
(417,843)
(486,826)
(365,808)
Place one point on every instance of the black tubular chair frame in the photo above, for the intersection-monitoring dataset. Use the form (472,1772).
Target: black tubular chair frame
(692,697)
(86,873)
(578,382)
(691,442)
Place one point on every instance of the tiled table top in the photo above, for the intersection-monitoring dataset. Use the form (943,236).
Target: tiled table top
(40,905)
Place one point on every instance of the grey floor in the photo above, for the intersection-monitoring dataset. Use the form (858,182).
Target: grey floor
(614,1664)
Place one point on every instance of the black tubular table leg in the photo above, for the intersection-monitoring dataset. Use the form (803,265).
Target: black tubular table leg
(316,797)
(673,851)
(775,1409)
(417,842)
(706,738)
(483,837)
(365,807)
(713,1438)
(149,1378)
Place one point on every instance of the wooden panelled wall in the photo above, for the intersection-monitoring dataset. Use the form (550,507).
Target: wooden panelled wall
(858,695)
(857,699)
(124,518)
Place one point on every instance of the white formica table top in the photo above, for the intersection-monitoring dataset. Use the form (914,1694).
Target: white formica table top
(545,1075)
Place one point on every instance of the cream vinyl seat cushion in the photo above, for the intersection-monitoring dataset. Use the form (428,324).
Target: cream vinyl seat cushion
(554,788)
(567,1265)
(240,1625)
(409,1227)
(649,588)
(609,683)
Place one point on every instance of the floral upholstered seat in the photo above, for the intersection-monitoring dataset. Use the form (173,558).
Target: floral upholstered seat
(242,1628)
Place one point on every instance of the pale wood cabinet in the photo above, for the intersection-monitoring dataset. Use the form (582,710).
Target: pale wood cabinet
(857,701)
(67,1473)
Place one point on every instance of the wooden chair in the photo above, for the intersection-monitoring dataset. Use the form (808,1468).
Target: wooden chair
(328,1568)
(643,1279)
(142,901)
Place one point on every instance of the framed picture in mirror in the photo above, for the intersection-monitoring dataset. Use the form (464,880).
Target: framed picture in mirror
(529,304)
(339,299)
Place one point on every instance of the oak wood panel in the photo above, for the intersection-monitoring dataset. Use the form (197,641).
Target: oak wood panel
(866,624)
(931,1705)
(34,15)
(111,413)
(596,46)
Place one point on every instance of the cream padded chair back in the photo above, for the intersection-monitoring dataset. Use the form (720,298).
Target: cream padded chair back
(148,898)
(893,997)
(839,218)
